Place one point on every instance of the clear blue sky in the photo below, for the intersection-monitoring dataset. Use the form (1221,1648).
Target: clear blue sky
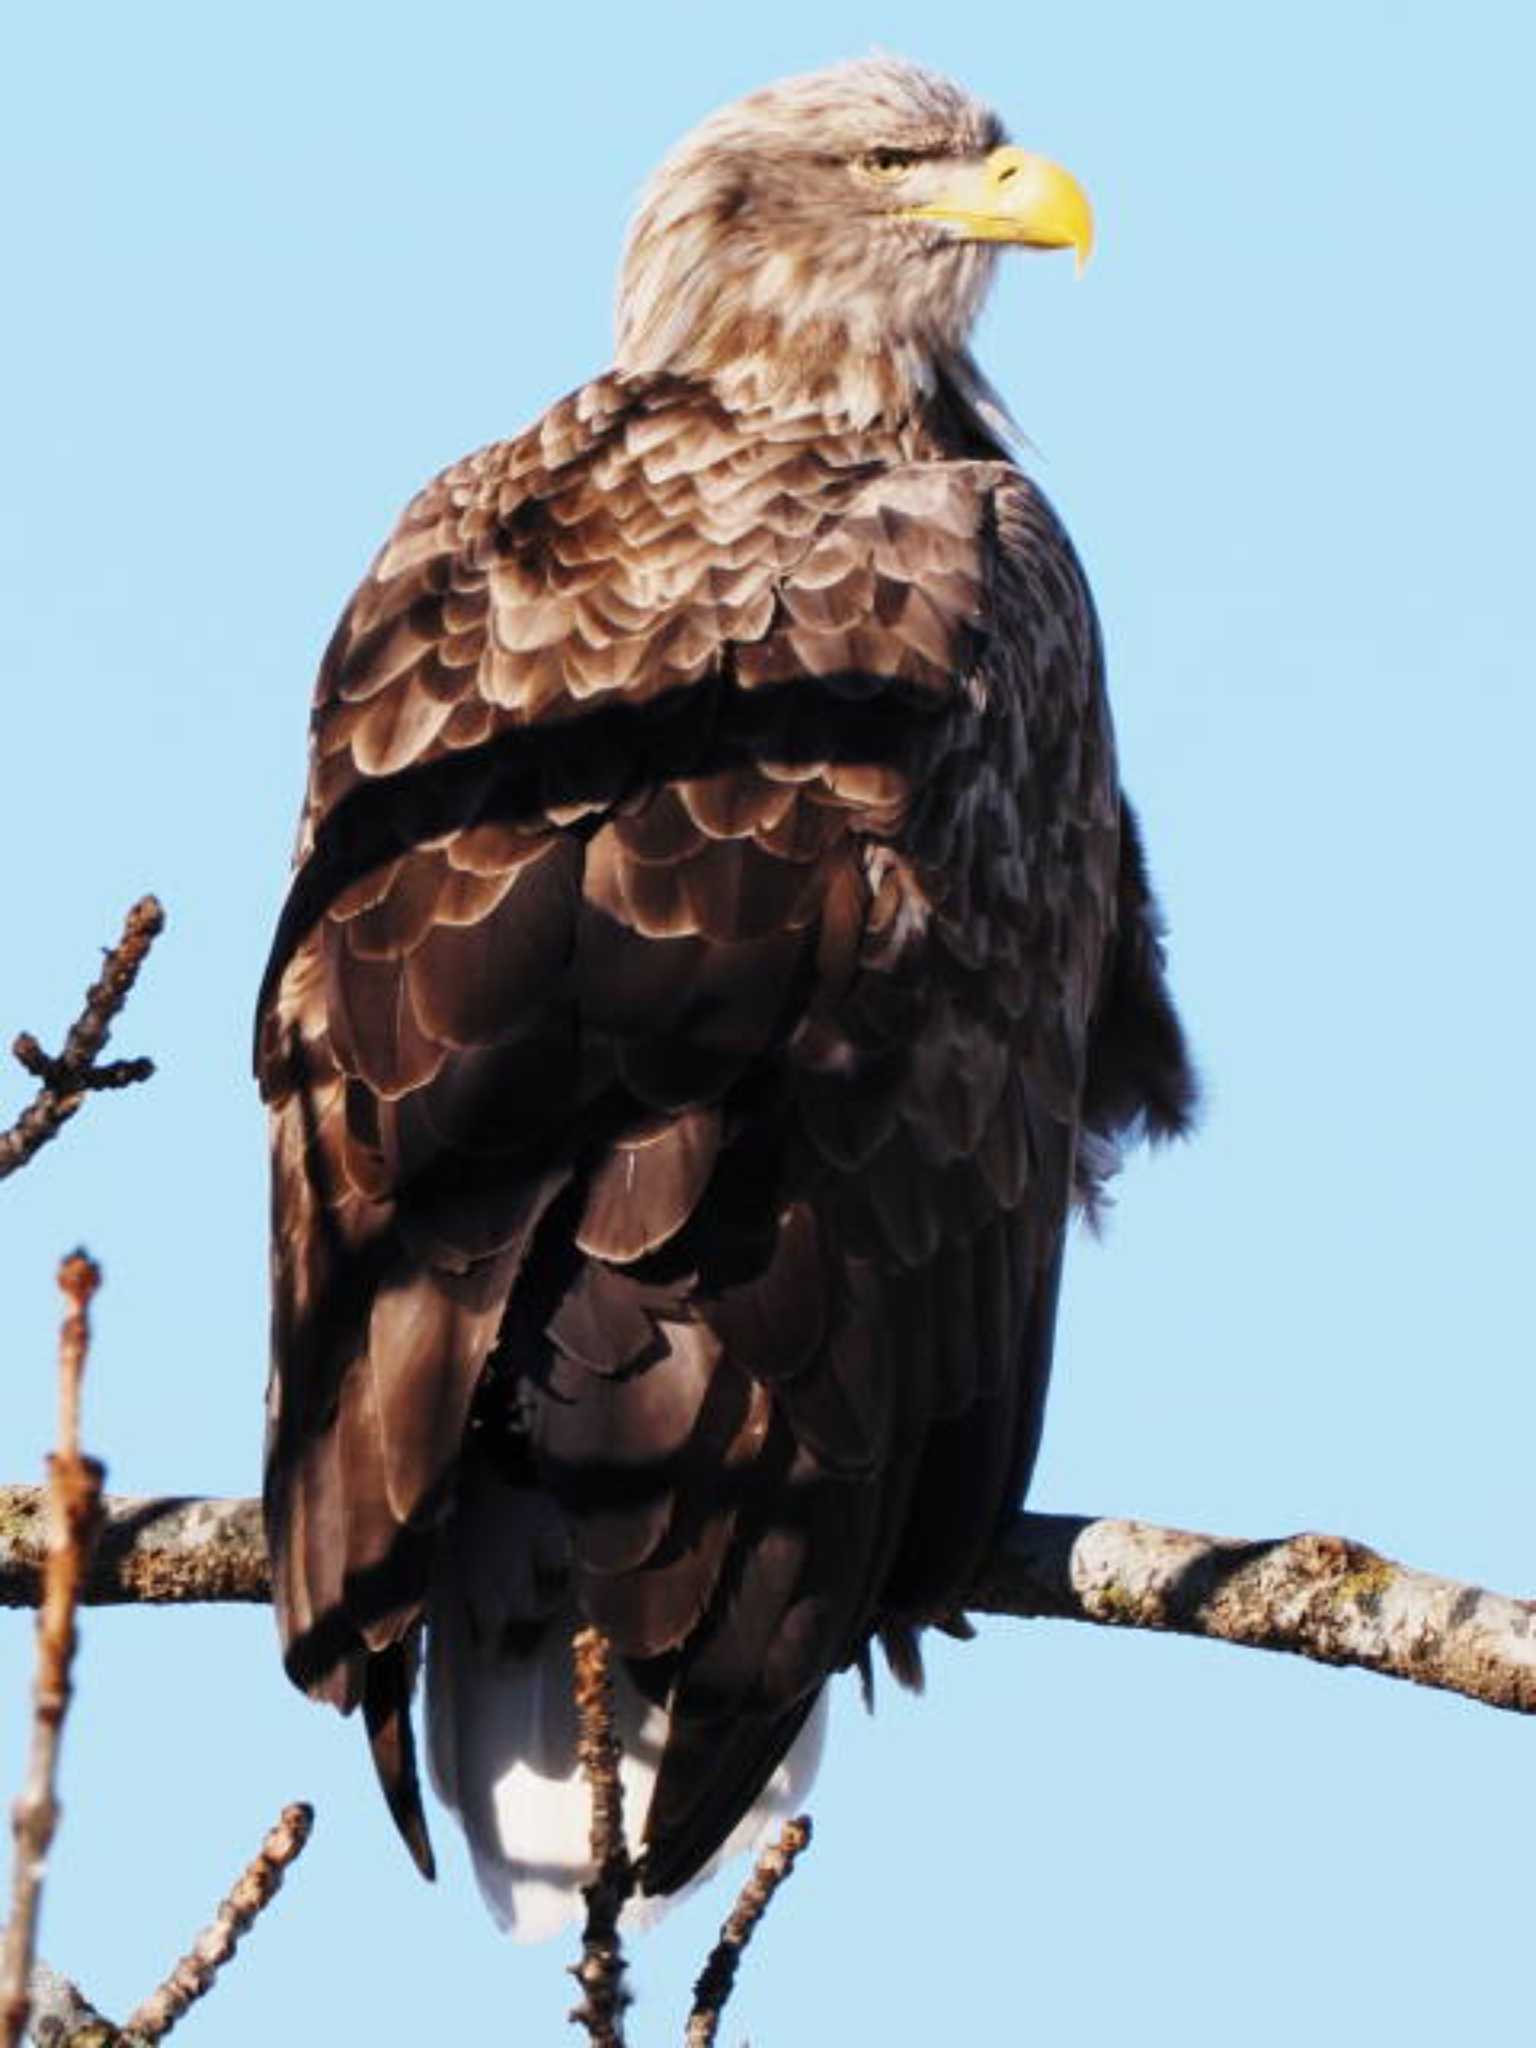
(267,270)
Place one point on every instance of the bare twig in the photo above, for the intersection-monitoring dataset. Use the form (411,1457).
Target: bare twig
(600,1973)
(73,1074)
(74,1493)
(193,1976)
(1323,1597)
(63,2017)
(718,1977)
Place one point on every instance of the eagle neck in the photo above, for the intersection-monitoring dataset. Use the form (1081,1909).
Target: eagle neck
(948,412)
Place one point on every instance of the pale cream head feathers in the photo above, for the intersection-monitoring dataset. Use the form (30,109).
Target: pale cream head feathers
(829,240)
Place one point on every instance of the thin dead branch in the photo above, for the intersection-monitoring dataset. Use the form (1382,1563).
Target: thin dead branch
(1323,1597)
(718,1977)
(63,2017)
(68,1077)
(600,1973)
(257,1885)
(74,1497)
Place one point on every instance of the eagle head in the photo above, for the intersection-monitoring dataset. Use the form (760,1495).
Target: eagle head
(829,240)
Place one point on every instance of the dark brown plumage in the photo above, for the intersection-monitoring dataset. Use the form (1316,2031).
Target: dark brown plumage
(719,951)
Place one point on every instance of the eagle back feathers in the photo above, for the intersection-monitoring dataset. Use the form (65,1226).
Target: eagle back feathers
(717,933)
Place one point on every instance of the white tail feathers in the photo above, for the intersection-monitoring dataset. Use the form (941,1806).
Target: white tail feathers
(501,1725)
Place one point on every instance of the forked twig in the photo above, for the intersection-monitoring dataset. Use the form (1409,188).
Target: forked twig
(193,1976)
(71,1075)
(74,1490)
(718,1977)
(600,1973)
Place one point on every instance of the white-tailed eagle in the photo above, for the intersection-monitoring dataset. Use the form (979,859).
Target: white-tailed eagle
(719,957)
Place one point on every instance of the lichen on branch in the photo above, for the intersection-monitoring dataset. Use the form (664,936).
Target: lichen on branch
(1324,1597)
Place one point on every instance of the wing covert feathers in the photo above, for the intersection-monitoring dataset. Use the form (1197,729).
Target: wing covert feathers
(718,949)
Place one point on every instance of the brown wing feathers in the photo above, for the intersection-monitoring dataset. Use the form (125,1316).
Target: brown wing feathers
(674,1048)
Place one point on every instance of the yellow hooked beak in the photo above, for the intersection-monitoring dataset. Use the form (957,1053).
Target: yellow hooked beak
(1012,196)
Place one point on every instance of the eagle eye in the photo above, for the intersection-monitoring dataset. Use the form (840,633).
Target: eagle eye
(886,164)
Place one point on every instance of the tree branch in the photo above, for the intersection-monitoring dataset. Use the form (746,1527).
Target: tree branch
(63,2017)
(74,1073)
(171,1550)
(1323,1597)
(73,1496)
(254,1890)
(600,1973)
(717,1979)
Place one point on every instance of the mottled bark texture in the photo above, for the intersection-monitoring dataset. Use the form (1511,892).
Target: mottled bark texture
(170,1550)
(1315,1596)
